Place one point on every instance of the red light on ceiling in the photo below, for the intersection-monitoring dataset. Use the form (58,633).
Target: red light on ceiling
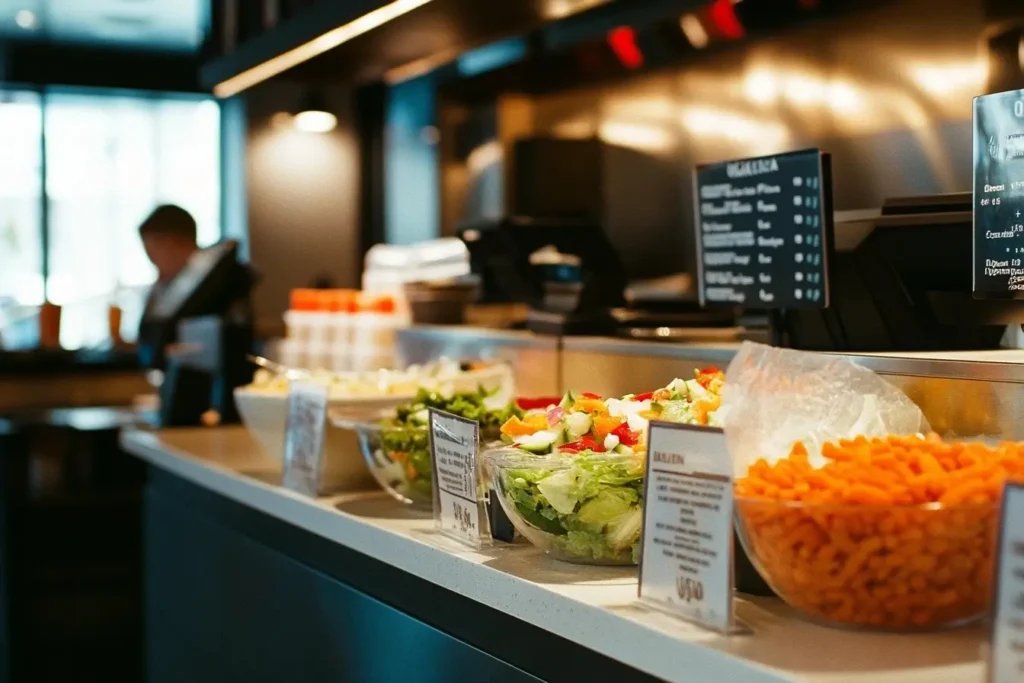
(809,4)
(623,43)
(723,17)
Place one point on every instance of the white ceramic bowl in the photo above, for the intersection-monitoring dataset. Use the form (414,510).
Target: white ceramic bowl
(265,415)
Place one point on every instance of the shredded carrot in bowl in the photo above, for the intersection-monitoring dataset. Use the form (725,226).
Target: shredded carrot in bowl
(896,533)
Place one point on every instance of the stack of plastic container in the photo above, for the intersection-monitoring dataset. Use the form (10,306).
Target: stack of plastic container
(341,330)
(373,332)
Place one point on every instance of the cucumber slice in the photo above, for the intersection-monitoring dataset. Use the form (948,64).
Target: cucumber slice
(567,401)
(577,424)
(696,391)
(540,442)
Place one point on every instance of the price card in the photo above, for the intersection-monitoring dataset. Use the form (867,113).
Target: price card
(1006,656)
(458,510)
(304,437)
(686,561)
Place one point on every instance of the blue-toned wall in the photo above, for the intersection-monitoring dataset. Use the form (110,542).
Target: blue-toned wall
(412,185)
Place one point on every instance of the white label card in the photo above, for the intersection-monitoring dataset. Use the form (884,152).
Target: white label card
(304,437)
(1006,657)
(686,561)
(454,442)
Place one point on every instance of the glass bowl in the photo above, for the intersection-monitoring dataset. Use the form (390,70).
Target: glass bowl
(585,509)
(399,459)
(880,567)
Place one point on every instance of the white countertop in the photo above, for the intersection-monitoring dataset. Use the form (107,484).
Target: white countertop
(593,606)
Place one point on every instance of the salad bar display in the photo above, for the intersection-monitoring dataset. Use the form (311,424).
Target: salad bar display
(571,475)
(862,522)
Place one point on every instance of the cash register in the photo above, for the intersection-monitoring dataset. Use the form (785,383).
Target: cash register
(198,334)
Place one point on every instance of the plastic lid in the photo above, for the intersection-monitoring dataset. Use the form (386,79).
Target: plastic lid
(304,299)
(377,303)
(338,300)
(384,304)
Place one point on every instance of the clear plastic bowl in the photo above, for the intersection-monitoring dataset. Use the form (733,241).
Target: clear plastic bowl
(603,527)
(398,457)
(880,567)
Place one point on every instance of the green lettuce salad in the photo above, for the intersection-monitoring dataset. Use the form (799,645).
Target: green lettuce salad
(588,505)
(405,440)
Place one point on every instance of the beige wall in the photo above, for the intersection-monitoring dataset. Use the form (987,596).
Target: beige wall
(303,199)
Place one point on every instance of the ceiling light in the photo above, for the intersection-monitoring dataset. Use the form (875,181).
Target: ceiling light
(26,19)
(319,45)
(761,87)
(560,9)
(315,121)
(313,115)
(694,31)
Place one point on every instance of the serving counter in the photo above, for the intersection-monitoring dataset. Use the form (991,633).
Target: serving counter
(248,581)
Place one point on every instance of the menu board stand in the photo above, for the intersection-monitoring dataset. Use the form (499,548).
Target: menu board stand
(779,335)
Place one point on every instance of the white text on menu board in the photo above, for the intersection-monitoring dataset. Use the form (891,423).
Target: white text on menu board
(686,564)
(740,256)
(453,445)
(1006,663)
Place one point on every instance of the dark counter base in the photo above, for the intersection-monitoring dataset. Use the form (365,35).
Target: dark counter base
(70,555)
(235,595)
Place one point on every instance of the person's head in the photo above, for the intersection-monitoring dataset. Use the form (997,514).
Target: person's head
(169,237)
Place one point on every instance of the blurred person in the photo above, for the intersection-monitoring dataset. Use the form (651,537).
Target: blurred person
(169,238)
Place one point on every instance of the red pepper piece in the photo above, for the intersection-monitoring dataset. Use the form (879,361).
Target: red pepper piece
(644,397)
(526,403)
(705,376)
(586,443)
(626,436)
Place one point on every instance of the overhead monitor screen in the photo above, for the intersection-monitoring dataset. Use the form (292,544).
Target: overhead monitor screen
(999,196)
(764,230)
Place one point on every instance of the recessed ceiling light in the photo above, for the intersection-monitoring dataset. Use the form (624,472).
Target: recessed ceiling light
(313,114)
(314,121)
(694,31)
(26,19)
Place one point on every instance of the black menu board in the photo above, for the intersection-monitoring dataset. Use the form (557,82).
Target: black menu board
(764,229)
(999,196)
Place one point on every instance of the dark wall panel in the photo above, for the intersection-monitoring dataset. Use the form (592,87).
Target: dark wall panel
(303,198)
